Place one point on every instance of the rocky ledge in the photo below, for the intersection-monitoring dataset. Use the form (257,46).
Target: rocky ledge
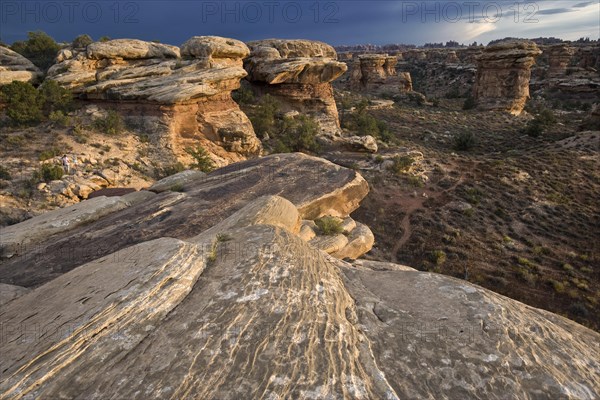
(15,67)
(216,291)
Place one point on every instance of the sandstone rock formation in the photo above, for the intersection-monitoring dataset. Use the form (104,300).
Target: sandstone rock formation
(181,97)
(242,307)
(503,73)
(559,58)
(298,73)
(376,73)
(316,187)
(15,67)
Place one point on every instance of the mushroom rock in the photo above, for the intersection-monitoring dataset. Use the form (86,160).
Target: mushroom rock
(503,74)
(298,73)
(181,96)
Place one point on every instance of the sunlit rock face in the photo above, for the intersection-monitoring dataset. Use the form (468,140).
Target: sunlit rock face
(503,74)
(182,97)
(298,73)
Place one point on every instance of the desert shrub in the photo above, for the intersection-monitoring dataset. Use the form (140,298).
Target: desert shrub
(579,310)
(39,48)
(243,95)
(59,118)
(453,93)
(49,172)
(48,154)
(297,134)
(82,41)
(24,102)
(169,170)
(401,164)
(438,257)
(463,141)
(4,174)
(542,121)
(264,117)
(111,124)
(202,160)
(56,98)
(365,124)
(104,39)
(329,225)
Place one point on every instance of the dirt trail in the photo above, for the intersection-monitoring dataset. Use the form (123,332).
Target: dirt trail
(411,204)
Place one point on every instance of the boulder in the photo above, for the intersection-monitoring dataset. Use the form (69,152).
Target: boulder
(298,73)
(359,143)
(503,73)
(360,241)
(184,97)
(15,67)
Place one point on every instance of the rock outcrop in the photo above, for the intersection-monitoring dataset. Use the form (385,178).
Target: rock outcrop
(182,97)
(298,73)
(376,73)
(503,73)
(15,67)
(242,307)
(316,187)
(559,58)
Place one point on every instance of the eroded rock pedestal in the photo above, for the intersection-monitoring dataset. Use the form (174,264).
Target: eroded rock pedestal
(298,73)
(376,73)
(503,73)
(559,58)
(217,292)
(180,97)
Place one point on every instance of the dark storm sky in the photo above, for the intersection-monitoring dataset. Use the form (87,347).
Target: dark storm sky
(336,22)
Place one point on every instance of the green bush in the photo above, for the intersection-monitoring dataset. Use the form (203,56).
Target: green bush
(365,124)
(4,174)
(56,98)
(104,39)
(48,154)
(82,41)
(329,226)
(202,160)
(112,124)
(59,118)
(264,117)
(24,102)
(463,141)
(49,172)
(438,257)
(542,121)
(297,134)
(401,164)
(243,95)
(170,170)
(39,48)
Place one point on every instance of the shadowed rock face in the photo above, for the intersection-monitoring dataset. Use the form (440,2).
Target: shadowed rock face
(187,92)
(503,73)
(315,186)
(559,58)
(15,67)
(247,309)
(376,73)
(299,74)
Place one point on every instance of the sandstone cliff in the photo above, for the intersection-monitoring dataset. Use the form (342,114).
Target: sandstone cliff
(223,299)
(503,73)
(298,73)
(181,96)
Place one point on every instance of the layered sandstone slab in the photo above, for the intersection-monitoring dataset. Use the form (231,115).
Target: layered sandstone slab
(247,309)
(315,186)
(183,95)
(15,67)
(298,73)
(503,73)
